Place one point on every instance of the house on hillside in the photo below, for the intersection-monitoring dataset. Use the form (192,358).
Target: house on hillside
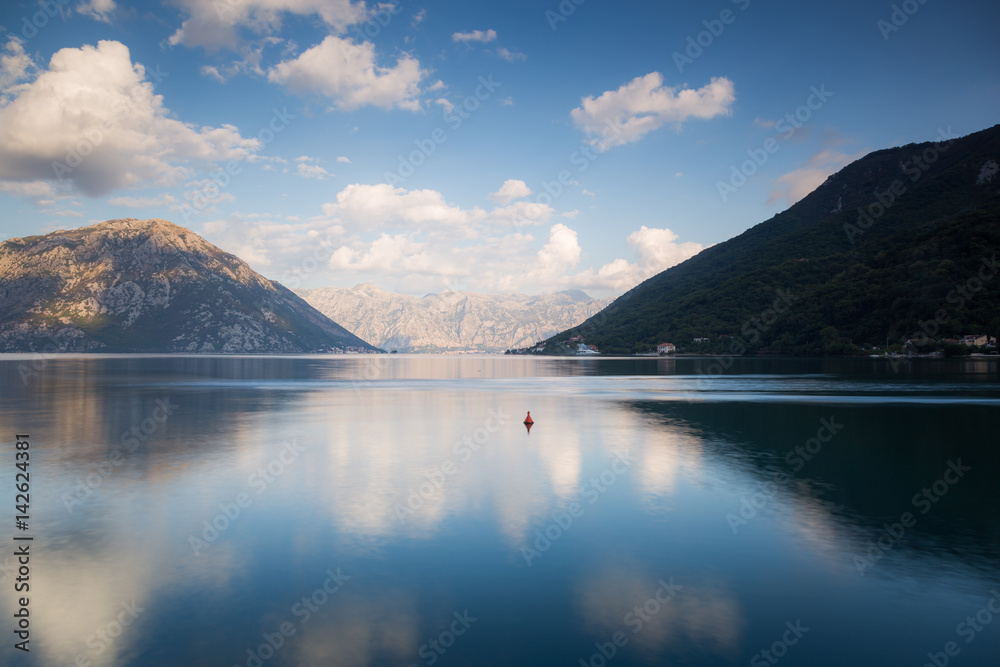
(975,340)
(666,348)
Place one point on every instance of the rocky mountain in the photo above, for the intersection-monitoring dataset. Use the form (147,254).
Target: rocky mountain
(149,286)
(453,321)
(901,244)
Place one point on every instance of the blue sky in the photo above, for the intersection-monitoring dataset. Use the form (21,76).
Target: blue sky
(490,147)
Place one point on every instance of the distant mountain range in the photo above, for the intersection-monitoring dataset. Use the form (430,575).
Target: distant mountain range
(452,321)
(149,286)
(901,244)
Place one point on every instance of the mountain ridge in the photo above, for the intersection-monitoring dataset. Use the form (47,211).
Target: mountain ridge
(452,321)
(128,285)
(933,205)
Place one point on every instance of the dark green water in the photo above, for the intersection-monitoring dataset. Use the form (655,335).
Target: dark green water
(395,511)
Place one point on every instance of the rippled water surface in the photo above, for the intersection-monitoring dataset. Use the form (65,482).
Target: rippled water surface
(394,510)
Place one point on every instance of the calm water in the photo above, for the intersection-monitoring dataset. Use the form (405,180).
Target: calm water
(395,511)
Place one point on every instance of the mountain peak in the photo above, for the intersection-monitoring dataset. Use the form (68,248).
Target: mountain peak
(129,285)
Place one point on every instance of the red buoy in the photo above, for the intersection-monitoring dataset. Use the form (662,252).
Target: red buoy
(528,419)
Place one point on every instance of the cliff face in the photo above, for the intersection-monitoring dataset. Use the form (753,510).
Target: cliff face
(453,321)
(149,286)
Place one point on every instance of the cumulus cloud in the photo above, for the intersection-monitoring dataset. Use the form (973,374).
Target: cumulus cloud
(344,159)
(417,241)
(93,121)
(388,253)
(656,251)
(381,206)
(511,189)
(475,36)
(348,74)
(15,65)
(797,183)
(223,24)
(560,253)
(645,104)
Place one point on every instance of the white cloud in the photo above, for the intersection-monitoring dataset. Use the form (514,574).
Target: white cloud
(30,189)
(381,206)
(475,36)
(250,60)
(588,193)
(511,189)
(312,171)
(347,73)
(15,65)
(797,183)
(561,252)
(644,104)
(93,113)
(222,24)
(99,10)
(511,56)
(343,159)
(143,202)
(656,251)
(212,72)
(507,101)
(416,241)
(385,254)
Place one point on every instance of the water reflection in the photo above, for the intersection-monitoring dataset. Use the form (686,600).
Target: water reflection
(415,477)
